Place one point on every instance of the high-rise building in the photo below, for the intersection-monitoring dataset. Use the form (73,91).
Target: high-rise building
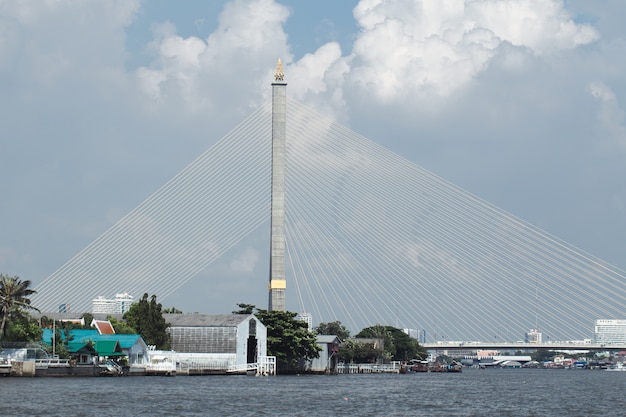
(533,336)
(607,331)
(119,305)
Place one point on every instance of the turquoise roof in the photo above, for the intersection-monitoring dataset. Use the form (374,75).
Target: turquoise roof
(77,334)
(126,340)
(82,336)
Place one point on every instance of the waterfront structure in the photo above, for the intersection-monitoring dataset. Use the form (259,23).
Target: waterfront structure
(216,343)
(89,347)
(118,305)
(327,362)
(609,331)
(278,283)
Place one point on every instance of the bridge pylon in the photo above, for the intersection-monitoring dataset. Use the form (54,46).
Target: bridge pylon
(278,282)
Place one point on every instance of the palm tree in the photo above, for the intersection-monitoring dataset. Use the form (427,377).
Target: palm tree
(14,294)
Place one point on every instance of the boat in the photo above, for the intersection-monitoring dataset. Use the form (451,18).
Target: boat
(619,366)
(414,366)
(446,367)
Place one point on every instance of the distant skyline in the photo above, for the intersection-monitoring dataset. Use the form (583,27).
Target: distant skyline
(519,102)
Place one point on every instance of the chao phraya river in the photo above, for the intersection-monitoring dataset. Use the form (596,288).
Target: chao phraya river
(492,392)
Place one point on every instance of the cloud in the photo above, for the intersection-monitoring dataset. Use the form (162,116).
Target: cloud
(610,114)
(416,53)
(429,49)
(200,73)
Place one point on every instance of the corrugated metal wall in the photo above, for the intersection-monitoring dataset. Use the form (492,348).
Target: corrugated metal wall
(204,339)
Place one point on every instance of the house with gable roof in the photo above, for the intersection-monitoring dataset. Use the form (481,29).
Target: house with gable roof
(218,343)
(88,347)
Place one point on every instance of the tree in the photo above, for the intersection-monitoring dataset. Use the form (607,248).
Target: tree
(245,309)
(356,351)
(333,328)
(120,326)
(542,355)
(147,320)
(23,328)
(14,295)
(62,336)
(88,319)
(287,337)
(398,345)
(172,310)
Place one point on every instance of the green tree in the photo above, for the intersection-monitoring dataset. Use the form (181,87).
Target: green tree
(288,339)
(357,351)
(23,328)
(542,355)
(147,320)
(87,318)
(60,338)
(398,345)
(14,299)
(172,310)
(245,309)
(333,328)
(120,326)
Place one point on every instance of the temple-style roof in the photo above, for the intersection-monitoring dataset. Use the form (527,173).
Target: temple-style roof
(103,326)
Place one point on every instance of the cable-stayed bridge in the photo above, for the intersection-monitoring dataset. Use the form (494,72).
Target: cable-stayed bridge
(371,238)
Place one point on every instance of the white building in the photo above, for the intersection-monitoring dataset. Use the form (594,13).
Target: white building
(607,331)
(307,318)
(119,305)
(216,344)
(533,336)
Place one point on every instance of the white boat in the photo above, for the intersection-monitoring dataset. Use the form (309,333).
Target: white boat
(619,366)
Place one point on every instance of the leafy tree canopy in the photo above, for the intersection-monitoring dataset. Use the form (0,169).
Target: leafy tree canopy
(356,351)
(88,319)
(121,327)
(543,355)
(147,320)
(23,328)
(333,328)
(172,310)
(245,309)
(14,299)
(398,345)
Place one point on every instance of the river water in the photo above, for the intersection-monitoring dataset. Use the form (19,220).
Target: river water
(492,392)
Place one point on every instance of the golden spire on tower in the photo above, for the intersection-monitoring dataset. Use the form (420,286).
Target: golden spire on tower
(279,76)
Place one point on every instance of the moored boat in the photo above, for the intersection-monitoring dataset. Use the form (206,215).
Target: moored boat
(619,366)
(414,366)
(446,367)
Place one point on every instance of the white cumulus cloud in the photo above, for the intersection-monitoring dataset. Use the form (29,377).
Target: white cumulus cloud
(431,48)
(200,72)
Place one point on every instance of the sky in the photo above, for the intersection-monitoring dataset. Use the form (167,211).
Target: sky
(520,102)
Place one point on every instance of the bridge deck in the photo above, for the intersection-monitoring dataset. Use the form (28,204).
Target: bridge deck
(521,346)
